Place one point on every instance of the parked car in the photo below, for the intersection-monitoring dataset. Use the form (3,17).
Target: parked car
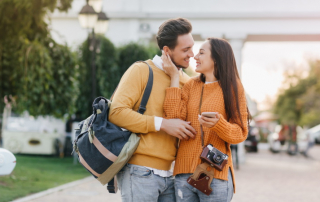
(251,143)
(278,141)
(314,133)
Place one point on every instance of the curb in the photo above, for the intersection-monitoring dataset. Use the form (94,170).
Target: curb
(52,190)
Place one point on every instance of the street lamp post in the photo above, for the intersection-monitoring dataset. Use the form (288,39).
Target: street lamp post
(92,18)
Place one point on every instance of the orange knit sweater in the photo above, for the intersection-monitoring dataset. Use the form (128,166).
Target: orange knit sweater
(184,104)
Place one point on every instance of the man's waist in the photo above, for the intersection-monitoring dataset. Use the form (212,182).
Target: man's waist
(151,162)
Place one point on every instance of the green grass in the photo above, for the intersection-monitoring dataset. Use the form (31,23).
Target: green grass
(37,173)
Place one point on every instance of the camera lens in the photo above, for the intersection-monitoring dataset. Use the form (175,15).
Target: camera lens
(218,158)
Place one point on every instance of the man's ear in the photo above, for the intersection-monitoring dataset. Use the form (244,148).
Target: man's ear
(166,49)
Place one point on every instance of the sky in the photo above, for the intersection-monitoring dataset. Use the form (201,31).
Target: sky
(263,65)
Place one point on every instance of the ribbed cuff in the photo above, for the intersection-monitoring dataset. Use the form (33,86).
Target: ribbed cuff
(151,124)
(221,126)
(173,93)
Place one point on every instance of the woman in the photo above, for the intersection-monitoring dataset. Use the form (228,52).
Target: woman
(217,89)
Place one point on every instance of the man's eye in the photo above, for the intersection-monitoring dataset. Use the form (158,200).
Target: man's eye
(185,50)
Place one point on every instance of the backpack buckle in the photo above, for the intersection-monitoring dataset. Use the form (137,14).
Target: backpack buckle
(142,109)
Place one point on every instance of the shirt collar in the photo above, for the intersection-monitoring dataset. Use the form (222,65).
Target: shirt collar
(157,61)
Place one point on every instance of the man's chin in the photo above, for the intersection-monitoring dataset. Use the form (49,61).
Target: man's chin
(183,67)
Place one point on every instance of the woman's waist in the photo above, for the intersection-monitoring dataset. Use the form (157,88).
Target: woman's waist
(195,145)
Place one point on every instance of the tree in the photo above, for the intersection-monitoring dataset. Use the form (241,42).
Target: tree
(132,52)
(34,69)
(107,74)
(299,104)
(111,63)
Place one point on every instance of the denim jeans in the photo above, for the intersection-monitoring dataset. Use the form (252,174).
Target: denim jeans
(222,191)
(139,184)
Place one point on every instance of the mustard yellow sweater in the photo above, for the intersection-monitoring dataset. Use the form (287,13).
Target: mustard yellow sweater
(156,149)
(184,104)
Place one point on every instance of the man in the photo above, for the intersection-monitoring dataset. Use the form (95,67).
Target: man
(147,176)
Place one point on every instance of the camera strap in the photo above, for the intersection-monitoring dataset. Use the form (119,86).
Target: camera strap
(201,129)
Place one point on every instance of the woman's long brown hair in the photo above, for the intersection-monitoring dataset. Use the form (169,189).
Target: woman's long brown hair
(226,73)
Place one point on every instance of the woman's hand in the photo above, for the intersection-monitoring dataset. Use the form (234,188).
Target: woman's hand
(170,69)
(208,122)
(168,66)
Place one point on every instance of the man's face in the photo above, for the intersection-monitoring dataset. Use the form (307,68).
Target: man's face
(182,53)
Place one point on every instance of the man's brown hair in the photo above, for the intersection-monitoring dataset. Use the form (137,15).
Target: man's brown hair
(170,30)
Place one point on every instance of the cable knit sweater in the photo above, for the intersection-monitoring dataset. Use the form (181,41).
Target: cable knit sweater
(184,104)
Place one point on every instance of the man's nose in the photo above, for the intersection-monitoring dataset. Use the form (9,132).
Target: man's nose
(191,54)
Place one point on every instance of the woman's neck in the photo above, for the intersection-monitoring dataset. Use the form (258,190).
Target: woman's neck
(210,77)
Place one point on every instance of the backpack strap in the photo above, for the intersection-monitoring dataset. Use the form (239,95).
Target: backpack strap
(147,91)
(112,186)
(142,108)
(145,98)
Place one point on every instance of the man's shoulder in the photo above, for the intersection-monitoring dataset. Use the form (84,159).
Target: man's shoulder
(140,66)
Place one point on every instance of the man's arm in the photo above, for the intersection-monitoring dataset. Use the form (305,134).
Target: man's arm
(130,90)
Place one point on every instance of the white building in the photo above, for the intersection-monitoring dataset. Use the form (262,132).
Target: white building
(236,20)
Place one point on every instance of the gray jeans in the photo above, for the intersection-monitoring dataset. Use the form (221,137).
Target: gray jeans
(222,191)
(139,184)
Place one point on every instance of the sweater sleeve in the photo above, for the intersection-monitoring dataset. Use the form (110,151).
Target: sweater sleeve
(128,93)
(175,102)
(234,132)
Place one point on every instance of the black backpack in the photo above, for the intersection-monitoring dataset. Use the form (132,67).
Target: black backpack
(104,148)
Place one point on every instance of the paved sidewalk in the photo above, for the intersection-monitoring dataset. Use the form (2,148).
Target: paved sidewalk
(267,177)
(264,177)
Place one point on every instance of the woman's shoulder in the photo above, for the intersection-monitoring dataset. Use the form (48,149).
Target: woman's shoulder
(193,80)
(196,79)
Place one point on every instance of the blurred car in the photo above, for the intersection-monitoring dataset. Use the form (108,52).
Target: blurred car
(279,142)
(314,134)
(251,143)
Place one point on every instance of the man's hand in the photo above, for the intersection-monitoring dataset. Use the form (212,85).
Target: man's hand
(178,128)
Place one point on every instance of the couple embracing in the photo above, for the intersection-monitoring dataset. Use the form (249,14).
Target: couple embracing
(185,118)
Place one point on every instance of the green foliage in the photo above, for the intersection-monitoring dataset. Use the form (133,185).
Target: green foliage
(107,71)
(111,63)
(26,18)
(34,69)
(46,78)
(300,103)
(132,52)
(106,74)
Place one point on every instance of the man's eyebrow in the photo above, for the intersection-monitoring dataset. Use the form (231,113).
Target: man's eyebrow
(201,49)
(187,47)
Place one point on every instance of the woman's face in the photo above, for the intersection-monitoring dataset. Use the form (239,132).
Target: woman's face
(205,64)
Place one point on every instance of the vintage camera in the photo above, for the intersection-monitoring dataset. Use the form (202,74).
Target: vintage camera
(214,157)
